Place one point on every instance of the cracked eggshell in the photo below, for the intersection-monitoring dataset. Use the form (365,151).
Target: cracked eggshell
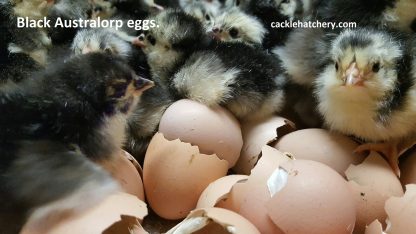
(408,169)
(315,199)
(250,198)
(214,130)
(218,190)
(401,212)
(372,183)
(332,149)
(214,220)
(119,210)
(374,228)
(175,174)
(127,172)
(256,134)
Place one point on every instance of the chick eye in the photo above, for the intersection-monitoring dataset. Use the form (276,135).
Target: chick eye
(376,67)
(167,47)
(336,66)
(237,3)
(285,1)
(151,39)
(233,32)
(207,17)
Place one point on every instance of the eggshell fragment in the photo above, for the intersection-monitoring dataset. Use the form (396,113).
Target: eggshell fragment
(218,190)
(332,149)
(316,199)
(256,134)
(125,170)
(372,183)
(402,212)
(114,209)
(249,199)
(374,228)
(408,169)
(175,174)
(214,220)
(214,130)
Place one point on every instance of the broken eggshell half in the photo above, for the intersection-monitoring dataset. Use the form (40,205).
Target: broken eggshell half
(122,212)
(219,190)
(256,134)
(213,129)
(175,174)
(372,183)
(315,199)
(401,212)
(249,198)
(214,220)
(127,172)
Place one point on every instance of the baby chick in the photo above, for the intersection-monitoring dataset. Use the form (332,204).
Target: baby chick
(203,10)
(368,90)
(85,101)
(246,80)
(393,13)
(45,180)
(236,26)
(178,35)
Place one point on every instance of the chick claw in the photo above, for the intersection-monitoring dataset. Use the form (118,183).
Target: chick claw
(390,150)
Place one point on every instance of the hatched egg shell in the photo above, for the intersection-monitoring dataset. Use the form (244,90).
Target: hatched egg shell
(218,190)
(401,212)
(124,169)
(175,174)
(114,209)
(315,199)
(214,220)
(374,228)
(256,134)
(372,183)
(249,199)
(214,130)
(408,169)
(332,149)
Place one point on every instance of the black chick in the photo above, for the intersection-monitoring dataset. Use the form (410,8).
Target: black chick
(51,124)
(84,101)
(44,180)
(246,80)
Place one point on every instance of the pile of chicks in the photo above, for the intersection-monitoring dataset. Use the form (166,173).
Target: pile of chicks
(211,91)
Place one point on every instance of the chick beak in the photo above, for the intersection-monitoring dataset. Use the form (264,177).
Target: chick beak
(139,41)
(141,84)
(353,76)
(216,33)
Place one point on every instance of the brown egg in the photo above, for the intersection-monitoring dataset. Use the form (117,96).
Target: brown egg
(249,199)
(218,190)
(175,174)
(120,212)
(372,183)
(314,199)
(213,130)
(402,212)
(127,172)
(256,134)
(214,220)
(408,169)
(332,149)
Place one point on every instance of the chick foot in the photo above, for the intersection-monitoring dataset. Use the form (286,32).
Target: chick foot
(390,150)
